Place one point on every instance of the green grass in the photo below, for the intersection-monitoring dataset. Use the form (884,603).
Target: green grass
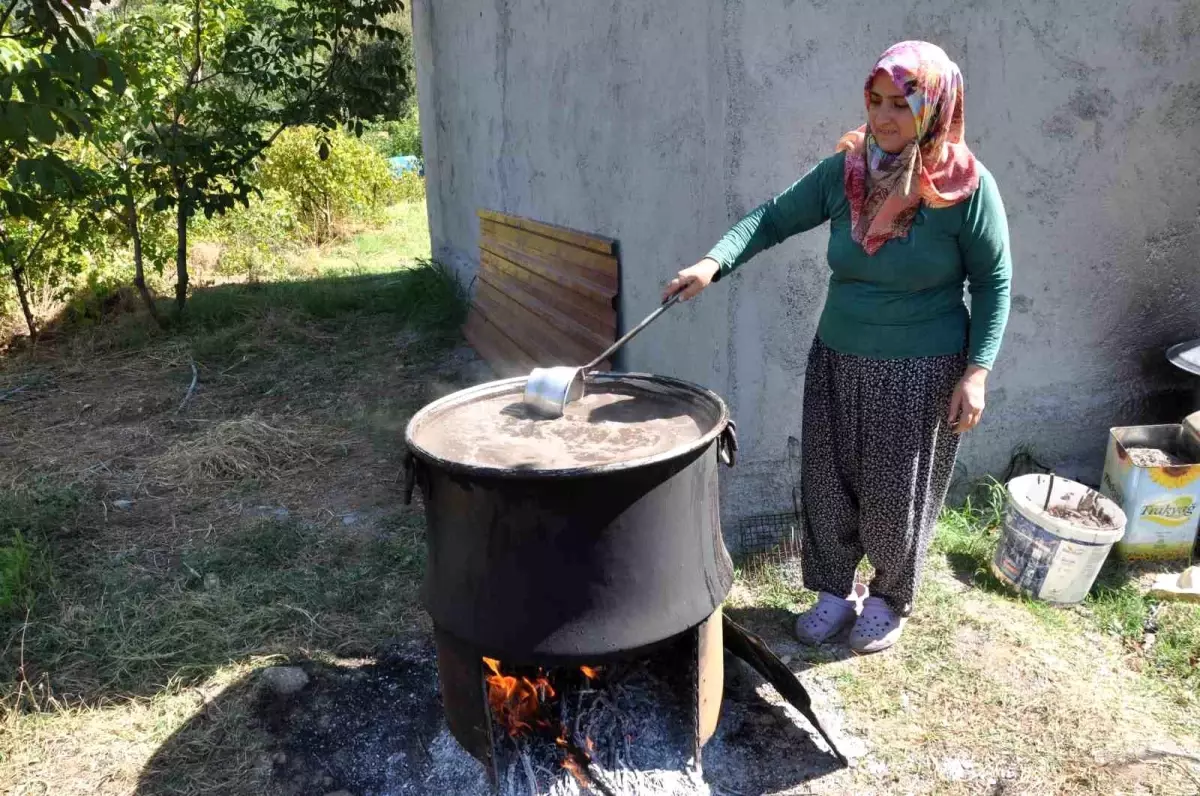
(19,572)
(966,540)
(114,627)
(226,322)
(28,516)
(384,272)
(769,585)
(1007,683)
(424,296)
(968,536)
(404,238)
(138,618)
(109,620)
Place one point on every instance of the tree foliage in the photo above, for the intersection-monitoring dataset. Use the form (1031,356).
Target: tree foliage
(134,116)
(54,79)
(254,68)
(349,181)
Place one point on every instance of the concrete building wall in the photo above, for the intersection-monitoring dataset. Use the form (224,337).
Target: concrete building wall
(661,124)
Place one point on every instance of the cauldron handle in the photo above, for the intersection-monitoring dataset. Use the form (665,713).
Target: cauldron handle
(727,444)
(410,477)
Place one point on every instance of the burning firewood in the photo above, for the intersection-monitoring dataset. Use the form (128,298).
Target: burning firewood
(579,763)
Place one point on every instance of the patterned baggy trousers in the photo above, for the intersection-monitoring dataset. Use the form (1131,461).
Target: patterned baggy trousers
(878,454)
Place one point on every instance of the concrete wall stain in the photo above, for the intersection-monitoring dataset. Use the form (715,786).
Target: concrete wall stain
(1060,126)
(1091,104)
(1183,110)
(1187,22)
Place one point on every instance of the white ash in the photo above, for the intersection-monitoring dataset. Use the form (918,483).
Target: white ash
(1155,457)
(641,742)
(379,730)
(452,770)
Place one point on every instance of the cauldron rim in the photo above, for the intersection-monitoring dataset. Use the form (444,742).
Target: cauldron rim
(482,390)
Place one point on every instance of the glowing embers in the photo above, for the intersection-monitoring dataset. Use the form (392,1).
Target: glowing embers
(527,704)
(516,701)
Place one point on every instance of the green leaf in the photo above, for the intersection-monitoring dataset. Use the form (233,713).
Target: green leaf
(117,77)
(89,70)
(73,179)
(42,125)
(12,124)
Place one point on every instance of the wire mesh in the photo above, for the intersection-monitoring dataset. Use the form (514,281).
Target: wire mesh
(769,540)
(772,541)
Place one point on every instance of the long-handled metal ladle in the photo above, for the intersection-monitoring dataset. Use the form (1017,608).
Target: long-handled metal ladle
(549,390)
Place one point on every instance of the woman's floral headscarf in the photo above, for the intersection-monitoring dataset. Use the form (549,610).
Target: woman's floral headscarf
(885,190)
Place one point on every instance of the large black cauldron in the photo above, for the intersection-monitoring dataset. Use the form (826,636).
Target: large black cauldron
(552,565)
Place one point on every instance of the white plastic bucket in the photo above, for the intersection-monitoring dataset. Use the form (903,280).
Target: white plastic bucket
(1047,557)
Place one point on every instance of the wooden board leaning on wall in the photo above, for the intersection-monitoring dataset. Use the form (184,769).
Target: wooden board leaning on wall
(545,295)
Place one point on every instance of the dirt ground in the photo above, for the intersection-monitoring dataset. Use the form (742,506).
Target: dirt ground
(191,537)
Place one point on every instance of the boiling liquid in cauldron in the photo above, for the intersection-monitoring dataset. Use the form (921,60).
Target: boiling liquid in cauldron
(614,423)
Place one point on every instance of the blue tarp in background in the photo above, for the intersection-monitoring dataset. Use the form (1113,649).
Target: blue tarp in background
(403,163)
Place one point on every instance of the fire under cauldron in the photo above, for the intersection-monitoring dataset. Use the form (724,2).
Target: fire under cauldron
(590,538)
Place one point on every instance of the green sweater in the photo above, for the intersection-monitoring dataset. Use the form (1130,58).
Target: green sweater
(906,300)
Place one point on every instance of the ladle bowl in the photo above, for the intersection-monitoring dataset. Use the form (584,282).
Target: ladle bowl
(549,390)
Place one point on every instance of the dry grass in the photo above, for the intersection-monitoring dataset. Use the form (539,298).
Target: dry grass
(108,749)
(990,697)
(990,693)
(247,448)
(983,697)
(185,548)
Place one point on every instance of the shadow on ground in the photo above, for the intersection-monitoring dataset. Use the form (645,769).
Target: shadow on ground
(970,571)
(365,728)
(376,729)
(761,745)
(425,296)
(774,626)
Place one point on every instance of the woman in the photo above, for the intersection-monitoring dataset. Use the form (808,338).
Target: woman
(899,367)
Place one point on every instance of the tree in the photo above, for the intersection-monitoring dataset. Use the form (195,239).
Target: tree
(123,183)
(385,67)
(52,249)
(53,80)
(250,70)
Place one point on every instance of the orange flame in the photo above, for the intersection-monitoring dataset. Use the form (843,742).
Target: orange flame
(516,701)
(516,704)
(570,765)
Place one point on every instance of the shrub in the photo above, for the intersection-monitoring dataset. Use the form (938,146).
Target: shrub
(252,241)
(332,179)
(398,136)
(410,187)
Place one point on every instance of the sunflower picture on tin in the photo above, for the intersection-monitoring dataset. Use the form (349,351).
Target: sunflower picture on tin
(1175,477)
